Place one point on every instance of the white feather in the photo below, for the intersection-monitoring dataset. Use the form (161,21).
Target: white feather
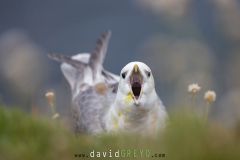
(136,115)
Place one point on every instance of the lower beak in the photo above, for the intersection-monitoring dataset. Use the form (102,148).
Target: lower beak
(136,79)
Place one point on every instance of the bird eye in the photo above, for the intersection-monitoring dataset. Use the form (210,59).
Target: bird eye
(148,74)
(124,75)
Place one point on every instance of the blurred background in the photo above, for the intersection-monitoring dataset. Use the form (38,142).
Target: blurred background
(183,41)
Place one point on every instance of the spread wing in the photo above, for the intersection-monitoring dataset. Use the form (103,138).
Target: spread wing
(98,55)
(93,87)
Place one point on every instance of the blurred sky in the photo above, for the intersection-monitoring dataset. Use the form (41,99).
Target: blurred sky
(72,26)
(183,41)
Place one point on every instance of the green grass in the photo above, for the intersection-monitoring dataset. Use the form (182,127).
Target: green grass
(187,137)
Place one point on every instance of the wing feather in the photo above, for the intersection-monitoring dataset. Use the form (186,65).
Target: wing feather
(66,59)
(98,55)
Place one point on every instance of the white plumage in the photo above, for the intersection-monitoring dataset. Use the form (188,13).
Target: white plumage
(137,107)
(104,102)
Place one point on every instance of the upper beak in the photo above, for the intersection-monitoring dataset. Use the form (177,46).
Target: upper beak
(136,80)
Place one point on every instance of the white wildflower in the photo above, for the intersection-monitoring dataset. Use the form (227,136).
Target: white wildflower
(210,96)
(194,88)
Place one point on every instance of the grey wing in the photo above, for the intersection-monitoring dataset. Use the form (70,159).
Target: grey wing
(66,59)
(99,53)
(72,70)
(83,72)
(89,109)
(76,68)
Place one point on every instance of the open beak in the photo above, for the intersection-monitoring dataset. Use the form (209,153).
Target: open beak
(136,80)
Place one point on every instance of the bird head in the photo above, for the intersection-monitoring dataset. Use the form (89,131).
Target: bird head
(136,85)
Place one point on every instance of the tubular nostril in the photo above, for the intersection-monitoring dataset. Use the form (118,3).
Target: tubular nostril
(136,68)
